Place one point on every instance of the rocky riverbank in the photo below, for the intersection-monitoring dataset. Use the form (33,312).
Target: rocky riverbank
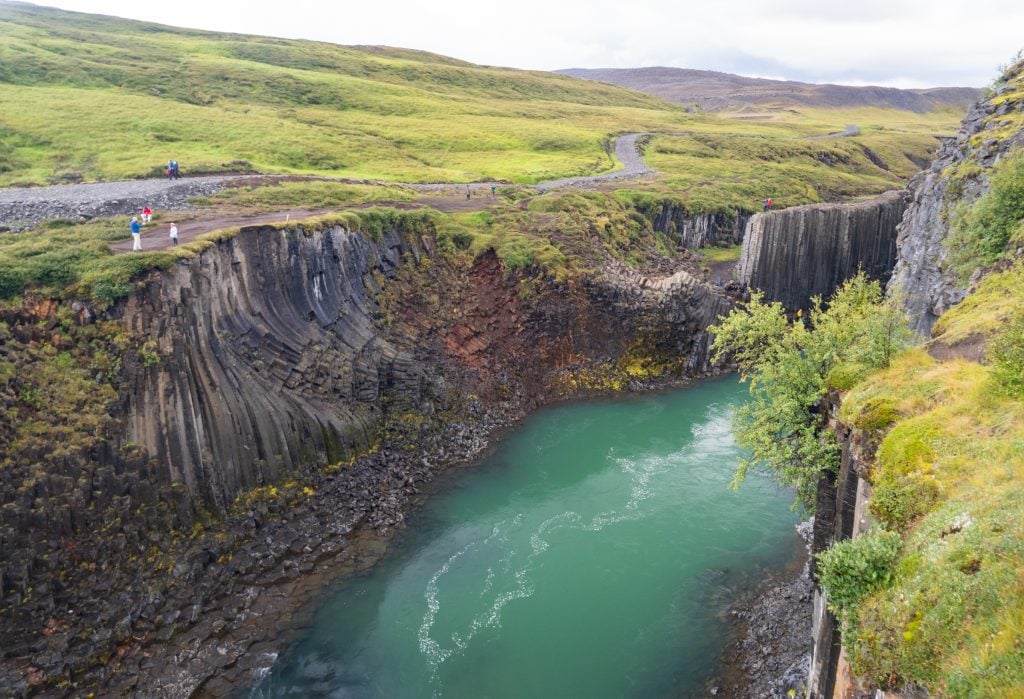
(769,654)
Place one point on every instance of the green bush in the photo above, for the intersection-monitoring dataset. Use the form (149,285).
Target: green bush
(982,230)
(898,501)
(853,569)
(878,414)
(1006,354)
(790,368)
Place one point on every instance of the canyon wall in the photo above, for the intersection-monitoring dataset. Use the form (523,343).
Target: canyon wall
(275,350)
(840,513)
(268,357)
(693,231)
(959,174)
(261,400)
(805,251)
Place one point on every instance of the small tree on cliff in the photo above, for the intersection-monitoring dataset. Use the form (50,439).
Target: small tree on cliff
(788,365)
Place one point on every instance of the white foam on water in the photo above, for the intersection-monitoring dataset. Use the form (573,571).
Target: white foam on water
(713,434)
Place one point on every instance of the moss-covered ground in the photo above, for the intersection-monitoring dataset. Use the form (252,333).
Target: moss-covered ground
(949,475)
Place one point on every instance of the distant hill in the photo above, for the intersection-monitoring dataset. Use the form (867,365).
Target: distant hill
(715,91)
(89,97)
(86,97)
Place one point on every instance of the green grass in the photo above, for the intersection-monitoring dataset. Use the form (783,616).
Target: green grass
(949,474)
(85,97)
(718,255)
(984,229)
(986,309)
(97,97)
(735,165)
(552,236)
(313,194)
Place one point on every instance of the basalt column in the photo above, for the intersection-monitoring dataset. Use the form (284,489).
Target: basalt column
(805,251)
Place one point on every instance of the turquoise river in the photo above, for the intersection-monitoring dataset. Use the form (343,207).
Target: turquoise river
(593,554)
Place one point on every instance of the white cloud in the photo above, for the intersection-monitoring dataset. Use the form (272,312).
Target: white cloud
(890,42)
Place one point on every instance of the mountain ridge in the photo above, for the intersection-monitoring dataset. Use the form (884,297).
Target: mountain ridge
(715,91)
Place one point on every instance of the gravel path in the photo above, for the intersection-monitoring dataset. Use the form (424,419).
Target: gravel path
(849,131)
(22,208)
(25,207)
(627,150)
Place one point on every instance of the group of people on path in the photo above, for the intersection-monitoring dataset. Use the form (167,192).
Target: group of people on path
(136,228)
(173,172)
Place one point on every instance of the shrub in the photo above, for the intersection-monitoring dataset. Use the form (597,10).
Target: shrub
(787,366)
(982,230)
(877,414)
(853,569)
(1006,354)
(898,501)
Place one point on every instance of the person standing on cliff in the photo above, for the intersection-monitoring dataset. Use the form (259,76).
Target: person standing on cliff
(174,234)
(136,229)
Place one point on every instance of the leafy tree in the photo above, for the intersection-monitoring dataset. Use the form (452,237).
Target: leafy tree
(787,365)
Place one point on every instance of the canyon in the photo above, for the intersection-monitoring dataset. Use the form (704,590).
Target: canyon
(195,446)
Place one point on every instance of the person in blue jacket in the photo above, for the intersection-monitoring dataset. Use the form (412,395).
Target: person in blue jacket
(136,233)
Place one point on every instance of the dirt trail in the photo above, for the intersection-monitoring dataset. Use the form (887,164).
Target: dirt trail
(445,197)
(157,236)
(23,208)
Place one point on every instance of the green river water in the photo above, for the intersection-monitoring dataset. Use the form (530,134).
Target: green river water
(593,554)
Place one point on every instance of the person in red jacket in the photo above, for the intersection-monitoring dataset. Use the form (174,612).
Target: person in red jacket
(147,215)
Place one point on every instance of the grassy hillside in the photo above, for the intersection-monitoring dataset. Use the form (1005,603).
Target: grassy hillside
(99,97)
(87,97)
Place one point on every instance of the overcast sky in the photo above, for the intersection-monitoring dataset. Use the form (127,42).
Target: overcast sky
(902,43)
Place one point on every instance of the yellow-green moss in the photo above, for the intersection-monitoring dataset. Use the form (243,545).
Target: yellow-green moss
(985,310)
(949,474)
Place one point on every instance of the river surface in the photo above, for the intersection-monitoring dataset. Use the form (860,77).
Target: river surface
(593,554)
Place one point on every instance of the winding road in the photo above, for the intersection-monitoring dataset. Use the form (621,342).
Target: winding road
(22,208)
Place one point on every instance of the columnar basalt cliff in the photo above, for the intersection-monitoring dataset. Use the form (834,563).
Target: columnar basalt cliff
(795,254)
(694,231)
(249,375)
(269,358)
(280,323)
(840,513)
(922,277)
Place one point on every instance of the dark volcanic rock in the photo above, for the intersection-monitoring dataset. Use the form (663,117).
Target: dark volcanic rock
(805,251)
(693,231)
(922,278)
(284,397)
(771,654)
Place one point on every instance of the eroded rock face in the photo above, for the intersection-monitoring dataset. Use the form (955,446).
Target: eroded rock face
(922,278)
(245,372)
(694,231)
(805,251)
(268,357)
